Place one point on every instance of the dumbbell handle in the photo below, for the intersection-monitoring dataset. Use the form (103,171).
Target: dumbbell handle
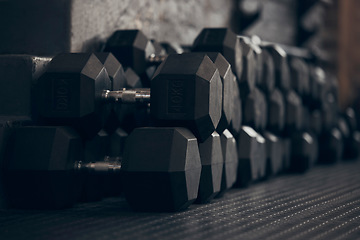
(107,165)
(140,95)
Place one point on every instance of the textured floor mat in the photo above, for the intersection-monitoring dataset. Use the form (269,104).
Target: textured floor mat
(321,204)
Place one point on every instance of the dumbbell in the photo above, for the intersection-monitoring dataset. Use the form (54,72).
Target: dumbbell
(212,182)
(133,49)
(241,56)
(236,51)
(228,81)
(75,87)
(259,105)
(224,41)
(274,119)
(161,168)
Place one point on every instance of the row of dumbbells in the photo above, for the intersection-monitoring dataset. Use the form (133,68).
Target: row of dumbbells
(280,111)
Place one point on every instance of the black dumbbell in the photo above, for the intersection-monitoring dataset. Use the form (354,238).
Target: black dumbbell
(133,49)
(43,166)
(225,42)
(236,50)
(220,40)
(228,83)
(239,53)
(75,87)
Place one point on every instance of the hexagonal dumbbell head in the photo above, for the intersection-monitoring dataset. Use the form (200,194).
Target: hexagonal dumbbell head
(237,116)
(247,80)
(330,146)
(131,47)
(161,169)
(227,78)
(212,168)
(187,91)
(221,40)
(276,112)
(267,77)
(231,161)
(71,92)
(274,154)
(294,111)
(255,110)
(282,71)
(252,156)
(300,76)
(301,152)
(318,87)
(16,71)
(40,169)
(259,59)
